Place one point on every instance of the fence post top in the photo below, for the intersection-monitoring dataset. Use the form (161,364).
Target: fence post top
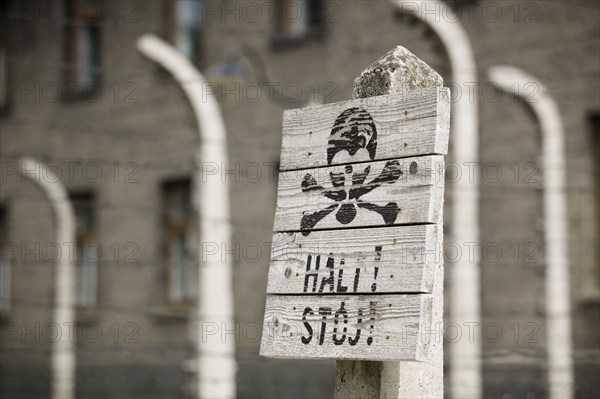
(396,71)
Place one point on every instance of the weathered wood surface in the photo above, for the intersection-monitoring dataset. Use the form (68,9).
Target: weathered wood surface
(361,195)
(371,327)
(382,260)
(394,192)
(409,124)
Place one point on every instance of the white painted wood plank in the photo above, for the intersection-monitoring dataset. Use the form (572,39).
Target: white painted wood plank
(369,327)
(394,192)
(380,260)
(409,124)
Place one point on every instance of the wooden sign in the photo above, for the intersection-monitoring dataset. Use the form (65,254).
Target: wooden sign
(357,232)
(398,191)
(348,327)
(356,261)
(410,124)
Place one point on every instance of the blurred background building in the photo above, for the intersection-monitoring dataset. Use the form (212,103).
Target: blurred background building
(77,95)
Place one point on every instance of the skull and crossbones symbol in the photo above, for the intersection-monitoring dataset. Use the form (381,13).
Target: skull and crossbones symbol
(353,139)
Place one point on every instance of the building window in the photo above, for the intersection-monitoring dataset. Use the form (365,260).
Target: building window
(87,251)
(459,5)
(83,48)
(4,83)
(184,27)
(298,21)
(595,126)
(176,229)
(5,263)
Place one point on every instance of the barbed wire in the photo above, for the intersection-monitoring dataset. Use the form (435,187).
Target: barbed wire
(167,312)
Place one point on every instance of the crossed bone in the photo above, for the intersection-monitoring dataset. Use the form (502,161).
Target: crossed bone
(351,194)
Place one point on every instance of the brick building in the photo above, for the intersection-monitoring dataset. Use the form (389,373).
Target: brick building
(118,130)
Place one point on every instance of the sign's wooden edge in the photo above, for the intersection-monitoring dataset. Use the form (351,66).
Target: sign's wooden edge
(442,128)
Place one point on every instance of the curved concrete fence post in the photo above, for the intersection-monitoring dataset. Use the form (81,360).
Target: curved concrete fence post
(558,310)
(464,275)
(62,360)
(216,347)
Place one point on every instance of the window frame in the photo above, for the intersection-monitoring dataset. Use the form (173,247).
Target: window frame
(5,308)
(589,292)
(315,30)
(171,29)
(4,73)
(82,18)
(170,231)
(594,122)
(82,239)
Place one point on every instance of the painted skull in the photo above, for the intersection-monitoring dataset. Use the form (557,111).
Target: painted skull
(353,139)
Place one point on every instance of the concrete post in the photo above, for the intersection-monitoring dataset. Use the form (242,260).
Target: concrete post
(216,357)
(397,71)
(556,232)
(62,361)
(464,281)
